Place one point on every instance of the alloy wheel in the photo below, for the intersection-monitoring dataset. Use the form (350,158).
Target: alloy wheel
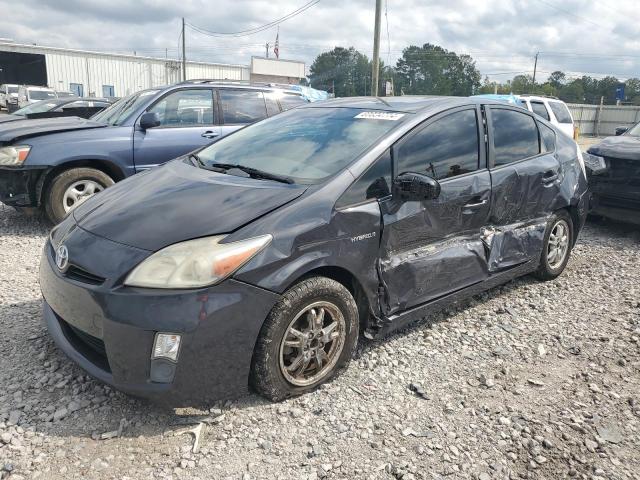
(558,244)
(78,192)
(312,344)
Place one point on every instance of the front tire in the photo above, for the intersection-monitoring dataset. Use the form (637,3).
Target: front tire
(558,240)
(307,339)
(70,188)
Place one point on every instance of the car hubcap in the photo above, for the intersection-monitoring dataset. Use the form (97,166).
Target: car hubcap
(558,245)
(312,344)
(78,192)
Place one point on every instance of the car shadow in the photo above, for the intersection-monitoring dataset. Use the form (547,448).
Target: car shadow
(22,223)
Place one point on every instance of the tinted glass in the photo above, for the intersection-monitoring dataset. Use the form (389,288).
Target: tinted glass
(117,113)
(76,104)
(539,109)
(444,149)
(242,106)
(12,89)
(289,100)
(515,136)
(548,138)
(37,107)
(41,94)
(561,112)
(307,144)
(374,183)
(185,108)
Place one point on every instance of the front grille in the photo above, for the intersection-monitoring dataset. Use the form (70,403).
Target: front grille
(80,275)
(89,346)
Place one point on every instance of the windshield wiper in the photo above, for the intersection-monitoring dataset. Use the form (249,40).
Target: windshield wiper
(252,172)
(198,160)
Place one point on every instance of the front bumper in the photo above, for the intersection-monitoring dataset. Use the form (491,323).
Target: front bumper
(19,186)
(109,332)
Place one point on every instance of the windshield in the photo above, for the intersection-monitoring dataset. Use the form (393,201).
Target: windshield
(12,89)
(41,94)
(120,111)
(38,107)
(307,144)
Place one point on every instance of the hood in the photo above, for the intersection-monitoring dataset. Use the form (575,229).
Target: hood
(624,147)
(178,202)
(12,131)
(10,118)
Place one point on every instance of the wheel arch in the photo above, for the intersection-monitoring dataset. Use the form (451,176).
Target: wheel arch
(107,167)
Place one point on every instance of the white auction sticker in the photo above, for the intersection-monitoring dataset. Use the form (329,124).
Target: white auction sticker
(380,115)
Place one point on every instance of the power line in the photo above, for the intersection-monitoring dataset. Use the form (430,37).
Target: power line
(568,12)
(259,29)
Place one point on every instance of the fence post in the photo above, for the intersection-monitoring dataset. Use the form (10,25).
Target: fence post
(598,115)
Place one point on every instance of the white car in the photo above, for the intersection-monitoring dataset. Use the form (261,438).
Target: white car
(8,94)
(28,94)
(551,109)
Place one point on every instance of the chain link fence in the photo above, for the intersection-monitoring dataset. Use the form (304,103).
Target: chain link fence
(602,120)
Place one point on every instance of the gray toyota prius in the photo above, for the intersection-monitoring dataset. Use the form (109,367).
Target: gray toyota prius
(259,260)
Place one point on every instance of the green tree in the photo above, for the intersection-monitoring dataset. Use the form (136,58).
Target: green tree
(557,79)
(343,71)
(432,70)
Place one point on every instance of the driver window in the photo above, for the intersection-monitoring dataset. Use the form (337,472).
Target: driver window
(185,108)
(446,148)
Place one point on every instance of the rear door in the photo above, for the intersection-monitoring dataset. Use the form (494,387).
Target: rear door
(434,247)
(187,122)
(240,107)
(526,178)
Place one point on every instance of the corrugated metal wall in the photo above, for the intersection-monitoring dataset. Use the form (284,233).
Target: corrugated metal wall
(125,73)
(602,121)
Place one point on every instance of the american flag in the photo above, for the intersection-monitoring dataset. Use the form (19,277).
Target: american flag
(276,48)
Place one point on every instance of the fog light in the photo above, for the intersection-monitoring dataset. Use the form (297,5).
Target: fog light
(166,345)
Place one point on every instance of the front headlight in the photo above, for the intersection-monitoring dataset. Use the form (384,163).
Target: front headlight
(14,156)
(195,263)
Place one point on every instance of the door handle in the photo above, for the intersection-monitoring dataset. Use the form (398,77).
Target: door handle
(209,134)
(550,176)
(476,204)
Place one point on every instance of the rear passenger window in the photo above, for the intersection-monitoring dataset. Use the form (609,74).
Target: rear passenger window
(547,138)
(289,101)
(561,112)
(374,183)
(185,108)
(539,109)
(446,148)
(240,106)
(515,136)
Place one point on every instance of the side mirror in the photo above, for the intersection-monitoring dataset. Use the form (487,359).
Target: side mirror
(415,186)
(149,120)
(621,130)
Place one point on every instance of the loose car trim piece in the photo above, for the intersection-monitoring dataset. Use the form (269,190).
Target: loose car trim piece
(374,220)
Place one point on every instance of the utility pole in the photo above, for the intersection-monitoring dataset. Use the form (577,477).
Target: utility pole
(375,79)
(184,58)
(535,67)
(267,47)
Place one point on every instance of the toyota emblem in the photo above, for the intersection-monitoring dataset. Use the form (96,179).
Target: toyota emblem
(62,257)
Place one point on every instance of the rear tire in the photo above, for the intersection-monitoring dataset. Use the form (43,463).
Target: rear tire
(70,188)
(557,244)
(309,336)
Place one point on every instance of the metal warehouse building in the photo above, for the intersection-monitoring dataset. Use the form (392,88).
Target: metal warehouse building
(89,73)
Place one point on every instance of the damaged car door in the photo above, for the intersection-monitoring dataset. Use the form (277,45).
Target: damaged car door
(526,177)
(433,247)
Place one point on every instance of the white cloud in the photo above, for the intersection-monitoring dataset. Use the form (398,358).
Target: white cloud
(576,36)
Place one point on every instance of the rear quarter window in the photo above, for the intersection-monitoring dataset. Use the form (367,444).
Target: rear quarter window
(561,112)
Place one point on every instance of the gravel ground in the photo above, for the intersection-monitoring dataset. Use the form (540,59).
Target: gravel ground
(530,380)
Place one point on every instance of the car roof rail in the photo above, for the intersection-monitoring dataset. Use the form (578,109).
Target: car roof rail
(537,95)
(200,81)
